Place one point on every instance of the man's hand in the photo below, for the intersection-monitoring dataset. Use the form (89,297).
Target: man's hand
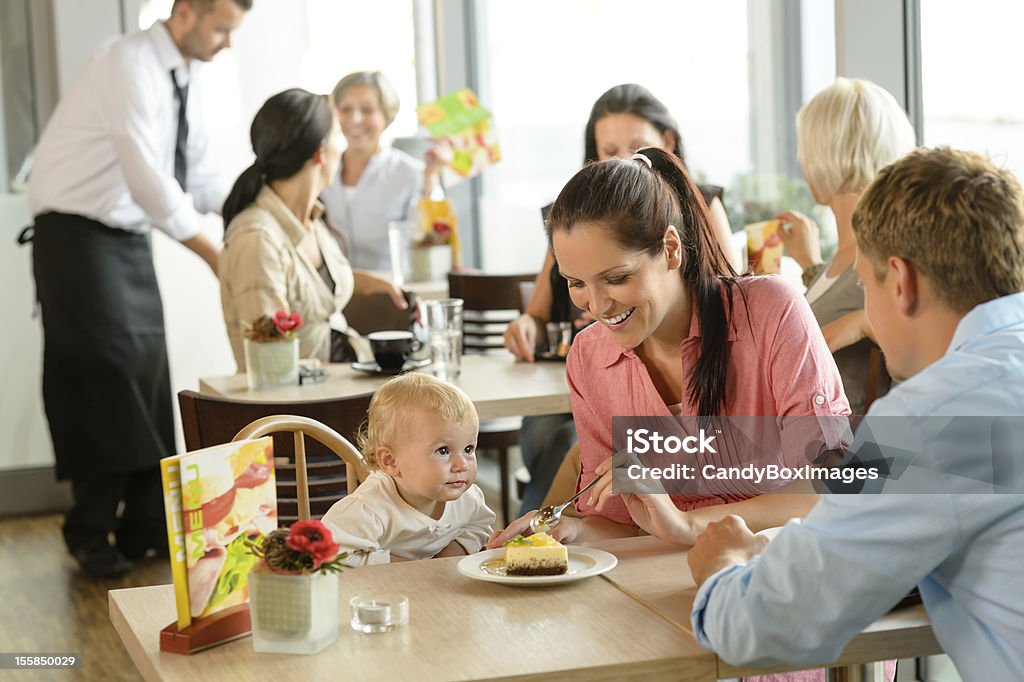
(725,543)
(205,249)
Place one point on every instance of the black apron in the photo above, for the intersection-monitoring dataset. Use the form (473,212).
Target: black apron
(106,383)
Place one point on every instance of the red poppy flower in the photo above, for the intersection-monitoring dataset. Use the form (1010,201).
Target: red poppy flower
(285,322)
(313,538)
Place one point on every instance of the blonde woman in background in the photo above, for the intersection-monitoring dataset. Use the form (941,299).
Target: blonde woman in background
(376,184)
(845,135)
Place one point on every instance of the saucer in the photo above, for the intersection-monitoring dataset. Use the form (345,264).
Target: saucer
(374,368)
(549,357)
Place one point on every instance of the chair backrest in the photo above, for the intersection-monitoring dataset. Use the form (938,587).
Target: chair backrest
(490,302)
(300,427)
(208,420)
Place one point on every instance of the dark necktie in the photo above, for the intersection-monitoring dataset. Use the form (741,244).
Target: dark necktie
(180,167)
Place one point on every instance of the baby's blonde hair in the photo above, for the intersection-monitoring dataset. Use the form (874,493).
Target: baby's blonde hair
(394,403)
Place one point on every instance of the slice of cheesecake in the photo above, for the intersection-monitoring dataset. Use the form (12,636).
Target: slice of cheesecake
(538,554)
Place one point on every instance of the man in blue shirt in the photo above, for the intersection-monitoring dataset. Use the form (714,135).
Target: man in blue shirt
(941,258)
(940,235)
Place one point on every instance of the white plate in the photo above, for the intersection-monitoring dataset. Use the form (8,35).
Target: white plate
(584,562)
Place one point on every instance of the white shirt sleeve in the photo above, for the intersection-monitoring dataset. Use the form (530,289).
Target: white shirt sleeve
(354,525)
(134,132)
(477,528)
(207,183)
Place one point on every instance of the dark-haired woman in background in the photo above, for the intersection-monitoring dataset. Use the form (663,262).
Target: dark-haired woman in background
(676,335)
(278,254)
(623,119)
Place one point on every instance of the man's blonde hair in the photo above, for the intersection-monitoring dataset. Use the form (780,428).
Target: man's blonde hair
(954,216)
(393,406)
(847,132)
(385,91)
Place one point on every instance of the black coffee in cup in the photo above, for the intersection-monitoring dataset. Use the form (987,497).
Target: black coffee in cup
(391,349)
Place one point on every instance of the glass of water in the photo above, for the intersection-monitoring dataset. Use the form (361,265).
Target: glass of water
(444,322)
(400,237)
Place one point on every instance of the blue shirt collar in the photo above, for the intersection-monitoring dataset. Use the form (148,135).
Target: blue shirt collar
(987,318)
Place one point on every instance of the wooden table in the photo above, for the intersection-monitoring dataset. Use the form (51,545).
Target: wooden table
(497,384)
(632,623)
(459,629)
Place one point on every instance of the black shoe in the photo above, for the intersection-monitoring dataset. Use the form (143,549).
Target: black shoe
(144,550)
(103,561)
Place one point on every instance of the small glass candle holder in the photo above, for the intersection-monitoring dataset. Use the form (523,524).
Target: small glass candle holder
(379,613)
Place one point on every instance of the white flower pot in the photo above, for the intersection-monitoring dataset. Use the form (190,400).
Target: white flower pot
(272,363)
(293,614)
(430,263)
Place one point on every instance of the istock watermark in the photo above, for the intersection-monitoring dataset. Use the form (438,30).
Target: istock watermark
(736,457)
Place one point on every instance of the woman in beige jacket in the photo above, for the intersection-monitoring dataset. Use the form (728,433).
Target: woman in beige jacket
(278,253)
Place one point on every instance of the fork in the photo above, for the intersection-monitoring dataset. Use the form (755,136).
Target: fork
(546,518)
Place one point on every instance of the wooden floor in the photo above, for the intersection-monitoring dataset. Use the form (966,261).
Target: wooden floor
(48,606)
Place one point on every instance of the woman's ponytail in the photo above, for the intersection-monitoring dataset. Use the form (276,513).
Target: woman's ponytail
(245,190)
(700,272)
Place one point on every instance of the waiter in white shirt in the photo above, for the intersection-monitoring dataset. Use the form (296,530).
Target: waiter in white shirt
(124,150)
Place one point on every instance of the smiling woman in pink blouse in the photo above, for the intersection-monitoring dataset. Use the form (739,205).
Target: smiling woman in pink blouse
(676,336)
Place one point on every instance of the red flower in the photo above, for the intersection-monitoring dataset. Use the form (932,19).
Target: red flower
(313,538)
(285,322)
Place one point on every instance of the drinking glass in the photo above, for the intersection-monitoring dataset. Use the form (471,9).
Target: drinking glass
(444,322)
(400,238)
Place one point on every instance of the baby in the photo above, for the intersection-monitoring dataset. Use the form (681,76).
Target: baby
(420,501)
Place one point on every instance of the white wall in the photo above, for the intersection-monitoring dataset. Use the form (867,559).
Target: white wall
(197,342)
(24,439)
(80,26)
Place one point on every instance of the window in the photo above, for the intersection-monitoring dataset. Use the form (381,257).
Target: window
(726,70)
(968,62)
(315,43)
(371,36)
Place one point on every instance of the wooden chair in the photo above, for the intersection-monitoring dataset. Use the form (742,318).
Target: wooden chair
(300,427)
(208,420)
(490,302)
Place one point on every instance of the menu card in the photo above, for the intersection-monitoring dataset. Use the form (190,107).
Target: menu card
(215,499)
(460,117)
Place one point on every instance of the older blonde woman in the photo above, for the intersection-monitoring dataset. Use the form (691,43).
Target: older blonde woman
(845,134)
(375,184)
